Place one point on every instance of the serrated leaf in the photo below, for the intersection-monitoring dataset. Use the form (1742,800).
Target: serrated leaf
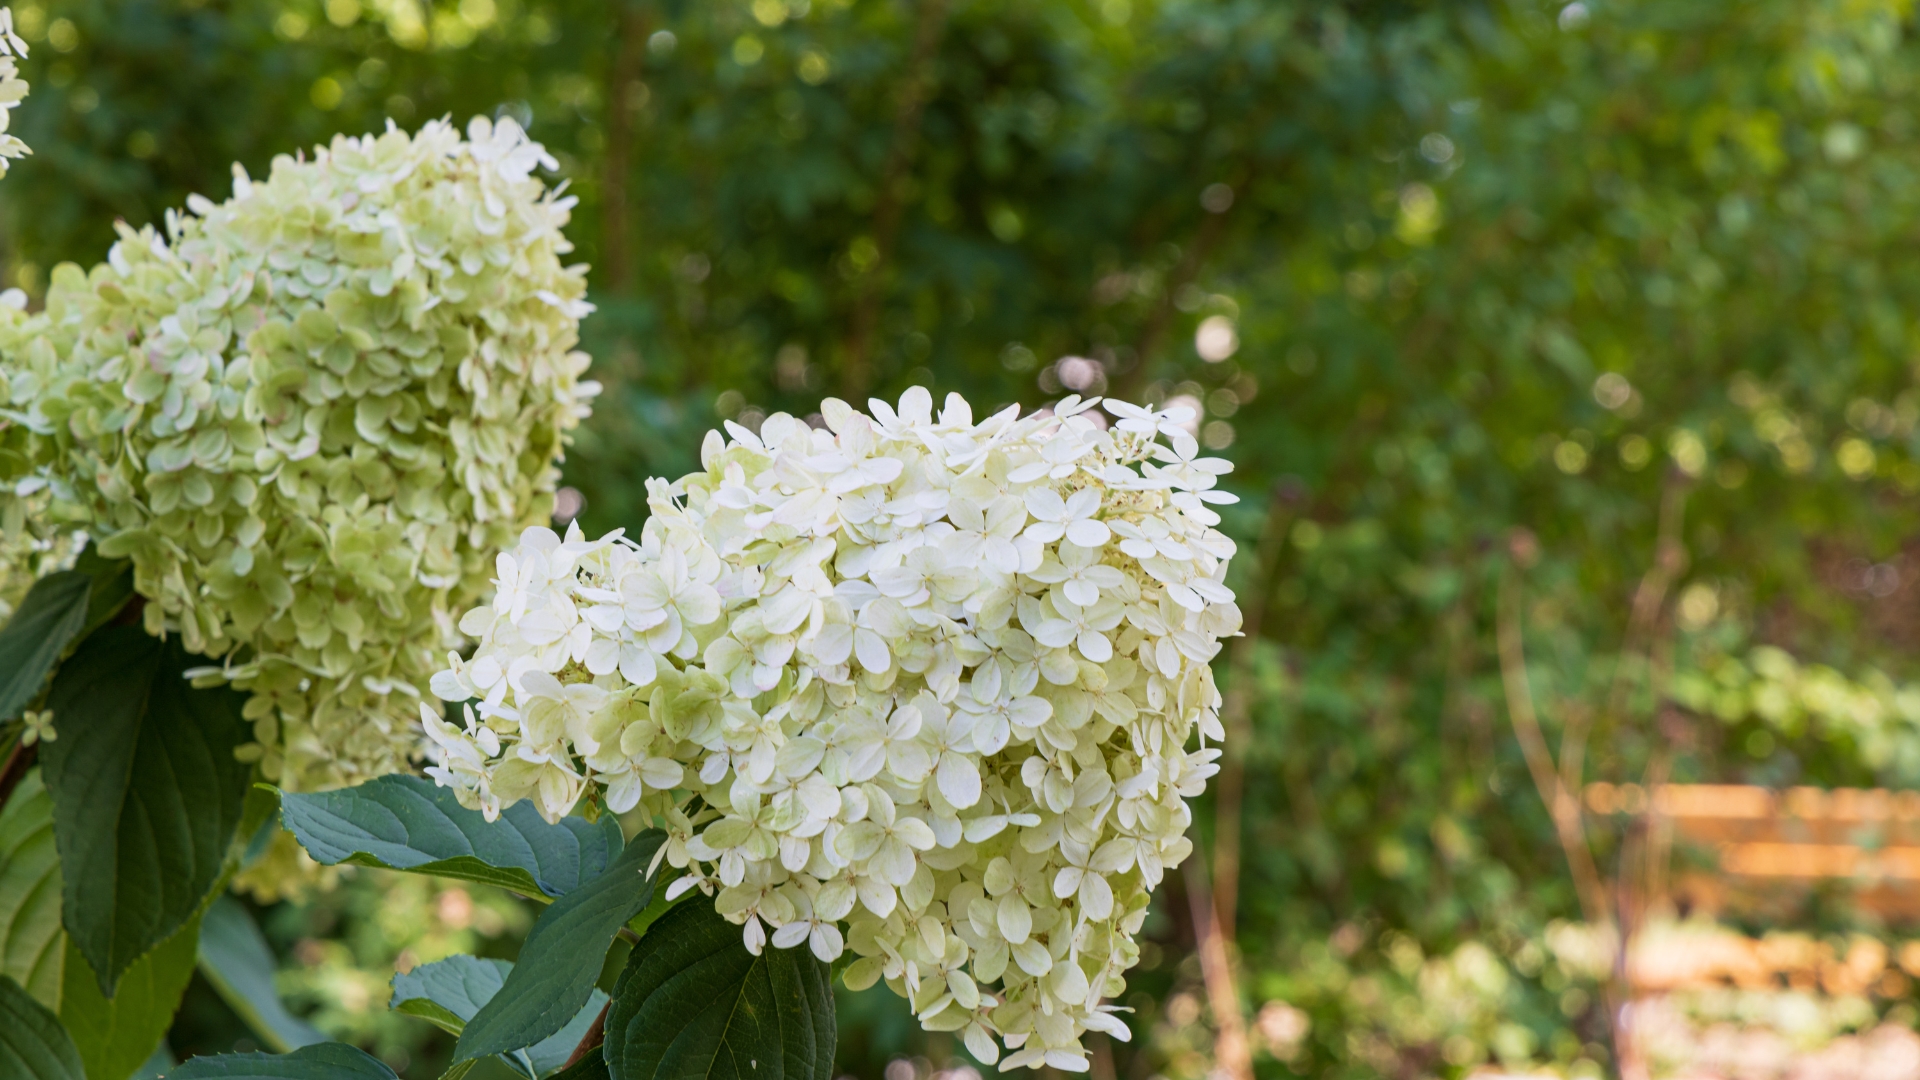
(409,823)
(448,993)
(49,617)
(560,961)
(237,963)
(694,1004)
(32,946)
(549,1054)
(146,793)
(321,1061)
(115,1036)
(33,1045)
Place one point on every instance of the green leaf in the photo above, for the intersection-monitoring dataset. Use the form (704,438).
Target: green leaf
(146,793)
(112,586)
(157,1066)
(115,1036)
(694,1004)
(33,1045)
(321,1061)
(58,610)
(448,993)
(236,961)
(591,1067)
(51,615)
(410,823)
(32,945)
(561,958)
(547,1055)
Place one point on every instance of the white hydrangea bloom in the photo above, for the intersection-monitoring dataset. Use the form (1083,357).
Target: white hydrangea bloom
(933,690)
(312,413)
(13,89)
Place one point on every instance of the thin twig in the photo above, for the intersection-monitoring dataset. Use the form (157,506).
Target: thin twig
(1160,319)
(890,206)
(615,249)
(1562,806)
(596,1034)
(19,761)
(1626,1052)
(1643,853)
(1231,1054)
(1669,559)
(1100,1056)
(1234,714)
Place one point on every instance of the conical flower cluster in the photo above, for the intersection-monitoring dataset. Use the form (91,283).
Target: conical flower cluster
(931,689)
(311,415)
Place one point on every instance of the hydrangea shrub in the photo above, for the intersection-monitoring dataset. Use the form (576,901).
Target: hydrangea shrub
(311,414)
(930,689)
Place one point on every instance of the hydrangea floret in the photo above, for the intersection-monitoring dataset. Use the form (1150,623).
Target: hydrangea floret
(313,413)
(930,689)
(13,89)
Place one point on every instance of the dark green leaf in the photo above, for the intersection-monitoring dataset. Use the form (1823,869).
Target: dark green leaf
(409,823)
(32,945)
(547,1055)
(112,586)
(321,1061)
(694,1004)
(560,961)
(591,1067)
(449,992)
(238,964)
(33,1045)
(116,1035)
(146,793)
(51,615)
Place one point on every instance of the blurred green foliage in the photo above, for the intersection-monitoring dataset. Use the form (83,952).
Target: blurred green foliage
(1465,290)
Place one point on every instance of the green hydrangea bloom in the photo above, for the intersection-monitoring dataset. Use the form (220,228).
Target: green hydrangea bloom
(311,415)
(33,541)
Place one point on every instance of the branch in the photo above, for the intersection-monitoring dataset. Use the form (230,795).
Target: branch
(887,211)
(1205,238)
(616,255)
(1232,1056)
(1669,559)
(19,761)
(1562,806)
(1234,711)
(596,1034)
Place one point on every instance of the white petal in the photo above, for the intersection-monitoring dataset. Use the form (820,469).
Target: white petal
(1096,897)
(1014,919)
(791,934)
(958,780)
(1089,533)
(871,648)
(827,943)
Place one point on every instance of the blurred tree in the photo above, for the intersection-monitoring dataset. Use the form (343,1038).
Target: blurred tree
(1477,296)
